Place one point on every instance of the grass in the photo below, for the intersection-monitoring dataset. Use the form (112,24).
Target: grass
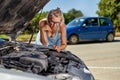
(4,36)
(25,37)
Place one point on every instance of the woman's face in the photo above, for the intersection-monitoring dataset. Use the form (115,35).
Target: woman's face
(55,20)
(55,17)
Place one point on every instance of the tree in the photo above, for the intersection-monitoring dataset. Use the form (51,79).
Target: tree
(111,9)
(71,14)
(34,25)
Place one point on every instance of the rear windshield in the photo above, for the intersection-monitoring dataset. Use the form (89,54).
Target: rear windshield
(76,22)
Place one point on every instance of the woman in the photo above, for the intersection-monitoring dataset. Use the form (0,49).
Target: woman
(53,31)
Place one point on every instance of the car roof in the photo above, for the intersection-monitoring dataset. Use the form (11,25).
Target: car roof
(92,17)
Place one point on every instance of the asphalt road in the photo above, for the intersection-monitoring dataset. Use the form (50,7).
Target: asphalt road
(102,58)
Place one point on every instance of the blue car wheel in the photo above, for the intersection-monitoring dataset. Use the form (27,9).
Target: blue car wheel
(73,39)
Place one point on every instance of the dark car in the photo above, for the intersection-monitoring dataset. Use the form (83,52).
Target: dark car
(25,61)
(90,28)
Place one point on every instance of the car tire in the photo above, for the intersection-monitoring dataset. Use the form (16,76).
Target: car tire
(73,39)
(110,37)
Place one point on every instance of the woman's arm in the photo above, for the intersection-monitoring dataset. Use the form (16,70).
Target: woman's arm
(63,38)
(43,35)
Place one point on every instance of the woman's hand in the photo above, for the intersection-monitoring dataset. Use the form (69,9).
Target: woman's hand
(57,48)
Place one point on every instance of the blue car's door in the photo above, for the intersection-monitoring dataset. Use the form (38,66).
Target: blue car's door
(90,29)
(105,27)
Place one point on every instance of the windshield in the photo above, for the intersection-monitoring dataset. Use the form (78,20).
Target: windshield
(76,22)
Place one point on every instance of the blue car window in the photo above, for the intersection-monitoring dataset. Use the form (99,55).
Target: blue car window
(103,22)
(76,22)
(95,22)
(91,22)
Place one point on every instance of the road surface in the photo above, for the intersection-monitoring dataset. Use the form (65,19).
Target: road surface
(102,58)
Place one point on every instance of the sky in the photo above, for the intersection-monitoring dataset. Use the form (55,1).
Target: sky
(87,7)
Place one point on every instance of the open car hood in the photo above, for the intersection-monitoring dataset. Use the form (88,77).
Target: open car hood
(15,15)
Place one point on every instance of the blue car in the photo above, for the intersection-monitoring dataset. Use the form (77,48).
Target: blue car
(90,28)
(1,41)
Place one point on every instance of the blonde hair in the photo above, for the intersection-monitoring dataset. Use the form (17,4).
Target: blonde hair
(55,12)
